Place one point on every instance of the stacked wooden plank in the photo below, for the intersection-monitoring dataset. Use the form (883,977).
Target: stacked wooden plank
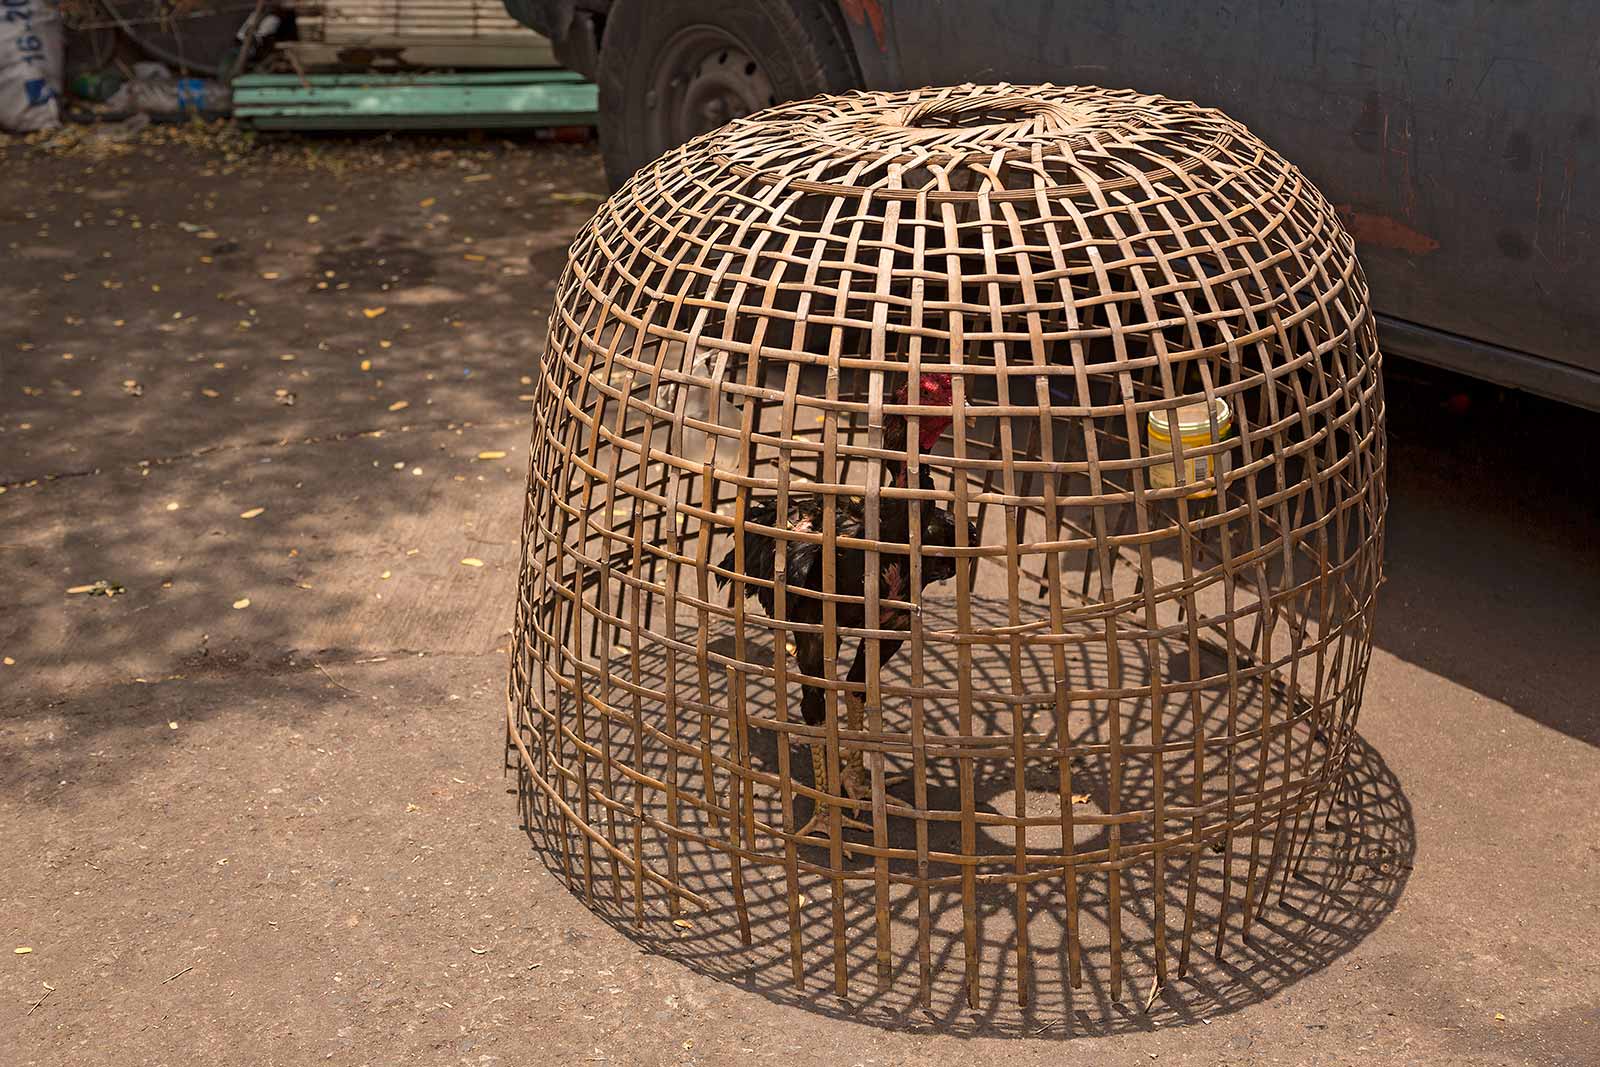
(337,21)
(440,33)
(483,99)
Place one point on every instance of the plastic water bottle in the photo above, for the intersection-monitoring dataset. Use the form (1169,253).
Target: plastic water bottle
(202,95)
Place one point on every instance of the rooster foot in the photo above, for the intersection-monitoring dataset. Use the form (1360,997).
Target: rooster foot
(858,782)
(819,826)
(819,829)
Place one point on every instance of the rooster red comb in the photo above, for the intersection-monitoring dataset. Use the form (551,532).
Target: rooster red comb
(933,390)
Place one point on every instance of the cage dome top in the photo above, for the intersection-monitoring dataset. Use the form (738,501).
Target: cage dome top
(965,141)
(1122,230)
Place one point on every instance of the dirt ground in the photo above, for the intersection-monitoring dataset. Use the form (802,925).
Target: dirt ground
(253,805)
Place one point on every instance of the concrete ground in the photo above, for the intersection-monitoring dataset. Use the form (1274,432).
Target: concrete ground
(253,805)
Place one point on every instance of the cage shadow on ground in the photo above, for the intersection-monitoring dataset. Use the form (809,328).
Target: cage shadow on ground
(1345,877)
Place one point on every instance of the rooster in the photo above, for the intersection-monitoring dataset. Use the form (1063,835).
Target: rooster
(805,565)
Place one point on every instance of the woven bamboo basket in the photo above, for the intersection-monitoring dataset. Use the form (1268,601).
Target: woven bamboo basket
(953,525)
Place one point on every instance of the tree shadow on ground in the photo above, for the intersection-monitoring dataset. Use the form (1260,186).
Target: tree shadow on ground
(216,392)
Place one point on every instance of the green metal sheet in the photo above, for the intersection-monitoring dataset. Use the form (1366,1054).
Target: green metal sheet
(487,77)
(377,101)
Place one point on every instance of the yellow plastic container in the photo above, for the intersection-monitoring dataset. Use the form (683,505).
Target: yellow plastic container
(1195,429)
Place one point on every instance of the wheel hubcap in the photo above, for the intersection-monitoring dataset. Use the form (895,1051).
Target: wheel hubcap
(703,79)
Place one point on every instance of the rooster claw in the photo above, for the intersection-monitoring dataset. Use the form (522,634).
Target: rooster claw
(858,783)
(819,830)
(855,785)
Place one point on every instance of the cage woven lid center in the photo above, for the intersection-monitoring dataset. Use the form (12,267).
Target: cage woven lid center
(1052,137)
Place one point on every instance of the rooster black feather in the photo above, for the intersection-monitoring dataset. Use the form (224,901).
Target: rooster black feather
(804,573)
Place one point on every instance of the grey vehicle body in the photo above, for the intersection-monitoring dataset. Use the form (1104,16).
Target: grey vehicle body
(1460,140)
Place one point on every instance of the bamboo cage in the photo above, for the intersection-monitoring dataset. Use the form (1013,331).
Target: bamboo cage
(953,527)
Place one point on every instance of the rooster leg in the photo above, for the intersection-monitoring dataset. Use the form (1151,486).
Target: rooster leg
(857,780)
(814,710)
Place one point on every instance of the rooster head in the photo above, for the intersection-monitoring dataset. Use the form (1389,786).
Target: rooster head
(933,390)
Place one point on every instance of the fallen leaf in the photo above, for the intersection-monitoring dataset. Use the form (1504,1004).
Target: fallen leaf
(252,513)
(427,201)
(493,453)
(132,388)
(172,726)
(574,198)
(22,950)
(1499,1017)
(99,588)
(172,505)
(1081,798)
(384,576)
(366,364)
(477,951)
(472,561)
(478,177)
(683,924)
(373,313)
(8,661)
(271,275)
(242,603)
(210,393)
(399,405)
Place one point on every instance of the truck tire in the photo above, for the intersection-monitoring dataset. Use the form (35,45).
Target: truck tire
(672,69)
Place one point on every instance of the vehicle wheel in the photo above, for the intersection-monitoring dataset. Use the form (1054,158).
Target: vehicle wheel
(672,69)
